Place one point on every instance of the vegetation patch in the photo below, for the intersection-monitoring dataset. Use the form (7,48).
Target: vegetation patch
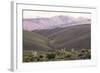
(57,55)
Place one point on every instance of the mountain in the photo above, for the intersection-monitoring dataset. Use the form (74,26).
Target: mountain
(53,22)
(77,37)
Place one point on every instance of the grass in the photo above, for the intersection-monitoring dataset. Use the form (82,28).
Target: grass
(57,55)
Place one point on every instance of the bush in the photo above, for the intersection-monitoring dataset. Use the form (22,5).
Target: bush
(84,54)
(50,56)
(28,58)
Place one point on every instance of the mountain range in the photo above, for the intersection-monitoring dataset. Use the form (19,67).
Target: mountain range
(53,22)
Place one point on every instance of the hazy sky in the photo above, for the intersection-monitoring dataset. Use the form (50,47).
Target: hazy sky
(39,14)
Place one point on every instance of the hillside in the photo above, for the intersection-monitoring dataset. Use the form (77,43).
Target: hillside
(33,41)
(77,37)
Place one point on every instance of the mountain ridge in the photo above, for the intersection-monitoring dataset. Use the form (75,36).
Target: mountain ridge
(53,22)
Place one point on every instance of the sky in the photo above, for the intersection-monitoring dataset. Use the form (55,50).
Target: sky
(42,14)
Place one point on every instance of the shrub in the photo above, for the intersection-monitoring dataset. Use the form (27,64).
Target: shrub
(84,54)
(51,56)
(28,58)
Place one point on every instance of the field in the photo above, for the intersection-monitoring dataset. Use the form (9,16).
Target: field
(58,55)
